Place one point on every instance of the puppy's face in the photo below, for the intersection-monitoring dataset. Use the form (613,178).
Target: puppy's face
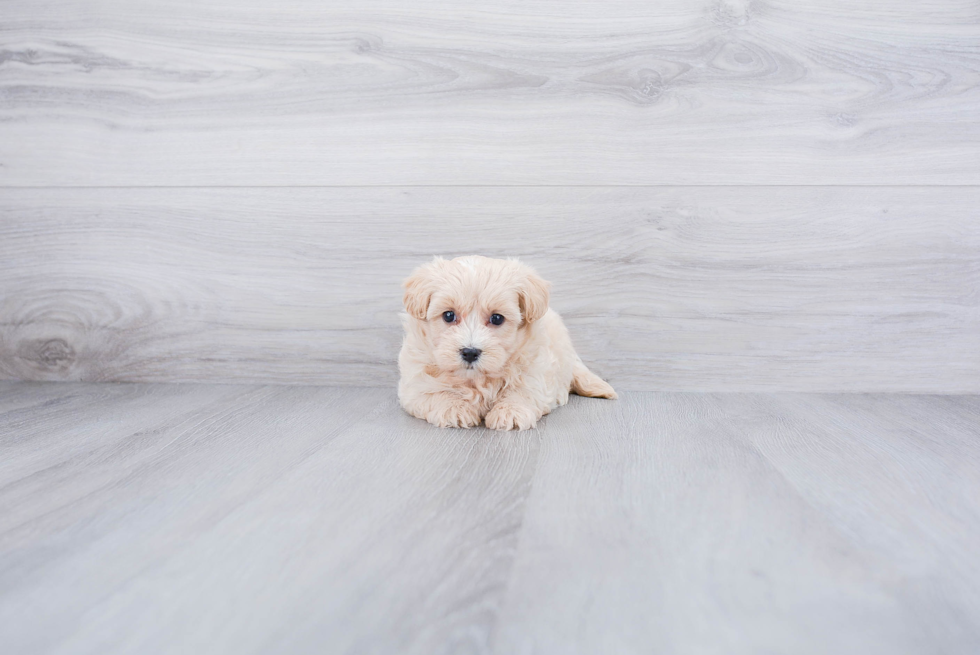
(474,312)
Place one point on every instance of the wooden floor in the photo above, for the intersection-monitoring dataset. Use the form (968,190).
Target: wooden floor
(241,519)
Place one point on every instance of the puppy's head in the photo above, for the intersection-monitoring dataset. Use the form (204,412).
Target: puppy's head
(474,312)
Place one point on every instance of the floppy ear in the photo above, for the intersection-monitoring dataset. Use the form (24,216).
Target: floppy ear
(532,297)
(419,288)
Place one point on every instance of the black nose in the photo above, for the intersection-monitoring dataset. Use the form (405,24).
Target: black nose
(470,355)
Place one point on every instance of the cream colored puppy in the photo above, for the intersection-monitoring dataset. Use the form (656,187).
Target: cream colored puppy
(482,344)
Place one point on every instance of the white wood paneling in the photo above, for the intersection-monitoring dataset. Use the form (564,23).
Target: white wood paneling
(760,288)
(638,120)
(303,92)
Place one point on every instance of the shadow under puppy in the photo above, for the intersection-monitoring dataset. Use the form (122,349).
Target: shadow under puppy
(482,344)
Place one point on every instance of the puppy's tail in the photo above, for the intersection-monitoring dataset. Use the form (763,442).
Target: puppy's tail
(587,383)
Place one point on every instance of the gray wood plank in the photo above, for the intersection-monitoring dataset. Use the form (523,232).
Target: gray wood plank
(746,524)
(303,92)
(809,289)
(901,477)
(259,519)
(276,519)
(16,395)
(42,438)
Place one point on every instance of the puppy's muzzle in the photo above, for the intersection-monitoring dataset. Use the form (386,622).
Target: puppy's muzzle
(470,355)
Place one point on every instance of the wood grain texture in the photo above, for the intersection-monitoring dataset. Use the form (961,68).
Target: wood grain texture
(258,519)
(747,524)
(809,289)
(302,92)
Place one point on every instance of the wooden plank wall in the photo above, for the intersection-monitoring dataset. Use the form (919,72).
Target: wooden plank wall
(726,195)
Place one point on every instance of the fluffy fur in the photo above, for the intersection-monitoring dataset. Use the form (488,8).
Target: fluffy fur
(527,365)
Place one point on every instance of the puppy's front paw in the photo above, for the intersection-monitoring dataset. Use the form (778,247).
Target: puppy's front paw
(510,416)
(455,415)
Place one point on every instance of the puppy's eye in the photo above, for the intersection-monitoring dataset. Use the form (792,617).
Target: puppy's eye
(449,317)
(496,319)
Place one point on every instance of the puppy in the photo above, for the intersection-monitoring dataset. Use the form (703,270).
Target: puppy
(482,344)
